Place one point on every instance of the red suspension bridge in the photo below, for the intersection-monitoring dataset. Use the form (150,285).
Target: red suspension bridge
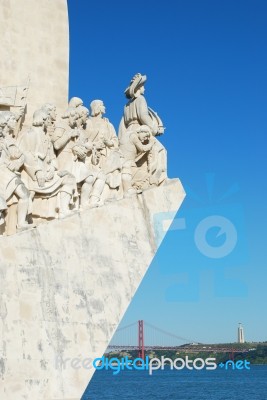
(143,336)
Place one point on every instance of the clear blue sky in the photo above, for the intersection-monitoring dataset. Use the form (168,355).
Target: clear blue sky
(206,63)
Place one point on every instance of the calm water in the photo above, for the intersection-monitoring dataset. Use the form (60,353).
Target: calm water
(180,385)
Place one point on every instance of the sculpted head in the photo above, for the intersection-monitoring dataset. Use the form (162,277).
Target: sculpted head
(8,121)
(2,123)
(97,107)
(39,118)
(72,115)
(50,109)
(144,133)
(136,86)
(75,102)
(83,114)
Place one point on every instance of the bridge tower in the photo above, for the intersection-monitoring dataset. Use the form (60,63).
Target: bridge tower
(141,344)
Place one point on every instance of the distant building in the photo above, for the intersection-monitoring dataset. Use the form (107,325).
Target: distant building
(240,334)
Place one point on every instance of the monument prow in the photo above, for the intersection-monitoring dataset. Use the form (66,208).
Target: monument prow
(66,285)
(82,210)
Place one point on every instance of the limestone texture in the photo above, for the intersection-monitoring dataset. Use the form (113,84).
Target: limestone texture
(35,51)
(66,285)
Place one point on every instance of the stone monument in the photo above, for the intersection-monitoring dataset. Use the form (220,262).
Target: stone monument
(79,210)
(34,62)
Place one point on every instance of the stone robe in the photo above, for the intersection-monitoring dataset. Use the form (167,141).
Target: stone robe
(9,180)
(66,157)
(108,159)
(39,156)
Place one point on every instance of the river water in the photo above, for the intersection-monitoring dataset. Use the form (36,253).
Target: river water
(219,384)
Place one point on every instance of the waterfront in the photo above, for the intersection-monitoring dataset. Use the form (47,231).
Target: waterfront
(180,385)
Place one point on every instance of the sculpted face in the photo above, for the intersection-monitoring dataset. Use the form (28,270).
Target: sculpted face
(73,119)
(98,107)
(83,115)
(81,120)
(144,136)
(53,114)
(142,89)
(45,119)
(84,118)
(12,122)
(102,107)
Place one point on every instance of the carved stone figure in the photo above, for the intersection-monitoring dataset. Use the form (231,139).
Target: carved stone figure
(83,117)
(51,111)
(105,155)
(52,187)
(59,166)
(133,144)
(3,207)
(12,189)
(71,154)
(137,113)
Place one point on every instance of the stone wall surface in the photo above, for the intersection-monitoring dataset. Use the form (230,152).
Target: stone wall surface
(66,285)
(35,45)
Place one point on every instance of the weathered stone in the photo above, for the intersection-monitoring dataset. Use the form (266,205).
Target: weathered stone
(34,54)
(65,287)
(66,284)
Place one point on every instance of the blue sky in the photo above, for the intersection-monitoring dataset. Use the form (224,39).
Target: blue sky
(206,63)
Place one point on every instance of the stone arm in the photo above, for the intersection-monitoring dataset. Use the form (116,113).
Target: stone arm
(52,162)
(16,158)
(60,138)
(150,165)
(143,114)
(10,154)
(20,116)
(84,142)
(29,148)
(112,141)
(35,171)
(81,147)
(109,143)
(31,166)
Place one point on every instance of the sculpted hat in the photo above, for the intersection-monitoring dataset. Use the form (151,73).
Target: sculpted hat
(137,81)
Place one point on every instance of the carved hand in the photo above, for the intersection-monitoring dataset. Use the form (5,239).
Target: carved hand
(40,178)
(50,174)
(108,143)
(161,130)
(16,164)
(12,166)
(99,145)
(21,111)
(62,173)
(79,151)
(74,133)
